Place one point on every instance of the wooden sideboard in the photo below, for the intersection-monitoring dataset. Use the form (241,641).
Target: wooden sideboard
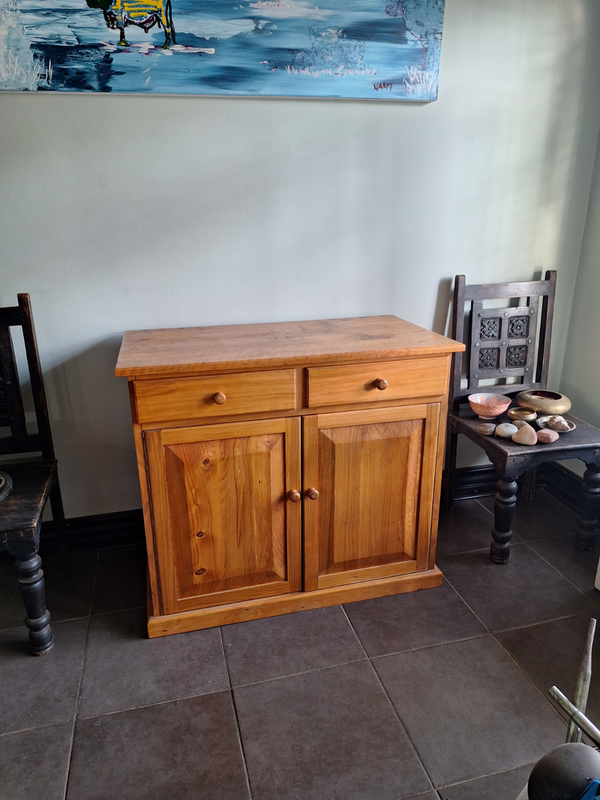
(286,466)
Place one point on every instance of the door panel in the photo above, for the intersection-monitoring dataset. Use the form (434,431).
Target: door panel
(223,513)
(372,517)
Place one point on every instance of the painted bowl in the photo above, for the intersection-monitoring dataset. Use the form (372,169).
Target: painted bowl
(489,406)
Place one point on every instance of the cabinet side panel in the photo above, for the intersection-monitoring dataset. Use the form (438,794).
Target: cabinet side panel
(429,483)
(160,514)
(148,522)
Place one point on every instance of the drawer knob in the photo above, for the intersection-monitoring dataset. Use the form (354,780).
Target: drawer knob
(380,383)
(312,493)
(219,398)
(294,496)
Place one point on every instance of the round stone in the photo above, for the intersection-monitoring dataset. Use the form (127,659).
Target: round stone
(506,430)
(547,436)
(486,428)
(525,435)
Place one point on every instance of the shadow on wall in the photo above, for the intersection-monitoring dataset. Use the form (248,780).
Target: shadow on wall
(442,315)
(91,426)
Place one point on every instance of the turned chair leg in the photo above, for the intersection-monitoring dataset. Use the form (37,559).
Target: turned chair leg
(33,592)
(505,503)
(585,537)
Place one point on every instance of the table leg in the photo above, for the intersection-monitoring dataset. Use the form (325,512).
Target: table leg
(33,592)
(590,509)
(504,510)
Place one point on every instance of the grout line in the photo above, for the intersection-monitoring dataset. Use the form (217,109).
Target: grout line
(78,700)
(302,672)
(509,654)
(127,709)
(237,719)
(393,707)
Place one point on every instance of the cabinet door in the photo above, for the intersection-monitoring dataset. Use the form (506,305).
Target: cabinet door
(375,474)
(224,525)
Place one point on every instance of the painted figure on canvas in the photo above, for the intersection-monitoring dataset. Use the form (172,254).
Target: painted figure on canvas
(368,49)
(118,14)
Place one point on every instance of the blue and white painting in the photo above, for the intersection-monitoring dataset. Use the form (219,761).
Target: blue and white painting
(383,49)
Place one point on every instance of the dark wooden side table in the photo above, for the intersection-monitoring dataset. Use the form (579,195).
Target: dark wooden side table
(510,460)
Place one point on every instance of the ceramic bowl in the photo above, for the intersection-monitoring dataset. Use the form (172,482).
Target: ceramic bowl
(489,406)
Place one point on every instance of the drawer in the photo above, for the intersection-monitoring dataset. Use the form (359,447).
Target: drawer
(356,383)
(215,395)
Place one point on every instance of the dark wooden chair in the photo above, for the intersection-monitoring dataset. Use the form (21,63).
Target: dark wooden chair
(509,344)
(34,479)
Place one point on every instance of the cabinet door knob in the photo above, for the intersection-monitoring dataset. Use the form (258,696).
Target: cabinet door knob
(219,398)
(312,493)
(294,496)
(380,383)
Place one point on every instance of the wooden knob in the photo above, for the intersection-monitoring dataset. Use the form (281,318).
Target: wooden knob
(380,383)
(219,398)
(294,496)
(312,493)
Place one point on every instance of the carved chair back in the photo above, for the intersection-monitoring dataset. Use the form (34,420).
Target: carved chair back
(508,345)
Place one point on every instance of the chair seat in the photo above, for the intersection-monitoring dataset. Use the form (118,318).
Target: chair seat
(512,459)
(21,511)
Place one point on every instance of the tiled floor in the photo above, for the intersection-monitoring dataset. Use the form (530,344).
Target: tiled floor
(435,694)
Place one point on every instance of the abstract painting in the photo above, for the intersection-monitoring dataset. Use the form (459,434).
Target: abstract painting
(381,49)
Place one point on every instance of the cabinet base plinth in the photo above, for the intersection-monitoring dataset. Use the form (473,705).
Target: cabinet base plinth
(288,603)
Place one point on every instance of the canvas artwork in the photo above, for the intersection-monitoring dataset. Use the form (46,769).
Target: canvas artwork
(381,49)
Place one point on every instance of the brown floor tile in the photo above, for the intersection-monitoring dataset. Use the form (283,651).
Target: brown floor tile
(524,591)
(34,764)
(468,709)
(187,749)
(125,669)
(467,527)
(271,648)
(542,517)
(579,566)
(408,621)
(326,735)
(504,786)
(40,690)
(551,653)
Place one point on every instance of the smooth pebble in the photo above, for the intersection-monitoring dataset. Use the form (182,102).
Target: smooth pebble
(506,430)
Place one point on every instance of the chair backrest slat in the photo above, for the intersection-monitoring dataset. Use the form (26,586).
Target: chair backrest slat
(12,413)
(502,343)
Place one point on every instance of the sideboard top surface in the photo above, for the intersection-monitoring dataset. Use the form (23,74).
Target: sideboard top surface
(175,351)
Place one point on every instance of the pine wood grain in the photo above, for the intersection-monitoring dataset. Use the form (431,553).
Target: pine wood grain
(220,510)
(405,379)
(173,351)
(375,473)
(215,396)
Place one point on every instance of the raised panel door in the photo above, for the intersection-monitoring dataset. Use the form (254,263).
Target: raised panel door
(374,472)
(224,526)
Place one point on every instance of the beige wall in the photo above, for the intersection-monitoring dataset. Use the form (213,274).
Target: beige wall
(124,212)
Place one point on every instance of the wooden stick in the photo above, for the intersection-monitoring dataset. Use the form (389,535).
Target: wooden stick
(582,721)
(583,683)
